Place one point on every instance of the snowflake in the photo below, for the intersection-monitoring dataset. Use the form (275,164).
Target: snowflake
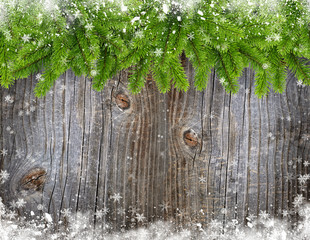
(191,36)
(264,214)
(223,81)
(179,18)
(89,26)
(13,204)
(298,200)
(139,34)
(20,203)
(303,179)
(265,66)
(161,17)
(66,212)
(116,197)
(158,52)
(285,213)
(306,163)
(93,72)
(26,38)
(32,108)
(164,206)
(268,38)
(277,37)
(77,14)
(4,152)
(133,210)
(202,180)
(19,153)
(251,217)
(300,83)
(39,77)
(102,212)
(140,217)
(200,13)
(20,113)
(224,211)
(299,159)
(207,39)
(4,176)
(8,128)
(11,215)
(121,211)
(40,207)
(8,99)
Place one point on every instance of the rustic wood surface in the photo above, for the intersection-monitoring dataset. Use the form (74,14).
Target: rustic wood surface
(191,156)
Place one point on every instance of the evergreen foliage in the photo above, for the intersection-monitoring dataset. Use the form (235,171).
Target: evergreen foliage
(100,38)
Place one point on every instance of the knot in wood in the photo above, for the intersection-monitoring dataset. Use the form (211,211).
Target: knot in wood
(34,180)
(122,101)
(190,138)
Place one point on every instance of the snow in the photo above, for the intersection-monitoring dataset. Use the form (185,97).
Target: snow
(79,226)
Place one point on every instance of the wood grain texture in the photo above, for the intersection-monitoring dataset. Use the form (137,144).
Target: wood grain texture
(191,157)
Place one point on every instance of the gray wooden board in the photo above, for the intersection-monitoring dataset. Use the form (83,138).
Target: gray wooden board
(93,149)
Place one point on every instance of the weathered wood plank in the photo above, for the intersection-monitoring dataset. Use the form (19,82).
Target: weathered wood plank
(191,156)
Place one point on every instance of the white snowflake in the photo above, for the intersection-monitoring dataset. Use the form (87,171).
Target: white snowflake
(158,52)
(191,36)
(4,176)
(265,66)
(93,72)
(40,207)
(306,163)
(285,213)
(299,159)
(161,17)
(8,99)
(298,200)
(164,206)
(116,197)
(89,26)
(121,211)
(223,81)
(202,180)
(179,18)
(26,38)
(20,203)
(66,212)
(32,108)
(268,38)
(4,152)
(264,215)
(140,217)
(39,77)
(11,215)
(300,83)
(77,14)
(277,37)
(200,13)
(139,34)
(19,153)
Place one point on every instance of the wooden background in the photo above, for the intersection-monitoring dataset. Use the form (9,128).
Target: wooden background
(191,157)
